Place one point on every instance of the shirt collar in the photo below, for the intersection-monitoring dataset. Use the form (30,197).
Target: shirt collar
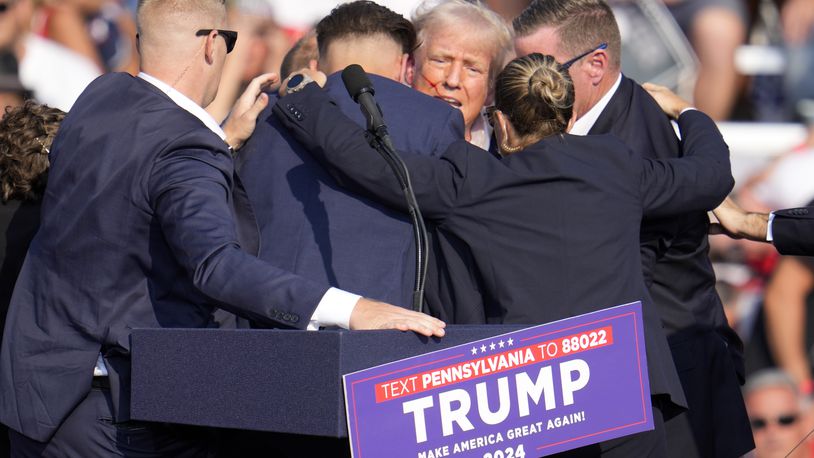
(186,103)
(584,124)
(481,132)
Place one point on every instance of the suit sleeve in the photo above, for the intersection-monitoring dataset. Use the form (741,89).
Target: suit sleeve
(189,190)
(793,231)
(341,146)
(698,181)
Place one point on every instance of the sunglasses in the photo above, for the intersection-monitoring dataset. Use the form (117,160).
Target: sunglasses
(229,35)
(4,7)
(759,423)
(571,62)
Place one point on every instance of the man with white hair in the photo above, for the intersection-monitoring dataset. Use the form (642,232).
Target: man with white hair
(775,407)
(462,46)
(145,225)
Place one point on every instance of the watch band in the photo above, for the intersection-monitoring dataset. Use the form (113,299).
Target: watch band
(296,82)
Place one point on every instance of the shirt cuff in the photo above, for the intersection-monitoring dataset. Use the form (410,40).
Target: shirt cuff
(334,309)
(769,237)
(686,110)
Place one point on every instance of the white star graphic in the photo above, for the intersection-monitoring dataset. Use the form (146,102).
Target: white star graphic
(483,348)
(501,344)
(474,350)
(492,346)
(511,342)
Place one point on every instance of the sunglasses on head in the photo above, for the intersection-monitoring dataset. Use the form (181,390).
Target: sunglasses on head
(229,35)
(571,62)
(759,423)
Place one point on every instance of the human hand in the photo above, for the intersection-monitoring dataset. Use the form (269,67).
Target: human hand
(370,314)
(738,223)
(312,73)
(669,102)
(243,118)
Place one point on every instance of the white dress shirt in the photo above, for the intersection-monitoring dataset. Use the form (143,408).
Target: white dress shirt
(584,124)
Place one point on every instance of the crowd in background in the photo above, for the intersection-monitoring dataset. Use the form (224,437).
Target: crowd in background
(51,49)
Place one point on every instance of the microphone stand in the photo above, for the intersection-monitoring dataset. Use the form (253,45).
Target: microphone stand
(380,140)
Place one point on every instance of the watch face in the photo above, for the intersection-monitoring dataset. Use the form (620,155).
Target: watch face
(295,81)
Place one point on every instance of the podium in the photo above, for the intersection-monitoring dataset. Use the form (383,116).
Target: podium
(280,381)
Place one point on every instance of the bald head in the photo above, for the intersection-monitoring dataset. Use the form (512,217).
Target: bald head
(167,27)
(172,50)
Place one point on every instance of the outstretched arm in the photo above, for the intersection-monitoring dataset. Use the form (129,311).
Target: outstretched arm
(738,223)
(341,146)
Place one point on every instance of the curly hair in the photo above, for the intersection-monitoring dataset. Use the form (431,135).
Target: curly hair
(26,133)
(537,95)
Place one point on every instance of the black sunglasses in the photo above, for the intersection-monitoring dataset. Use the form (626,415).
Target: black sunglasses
(4,7)
(568,64)
(783,420)
(229,35)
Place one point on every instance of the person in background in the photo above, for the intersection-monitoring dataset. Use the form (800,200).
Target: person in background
(778,414)
(462,46)
(55,75)
(12,92)
(101,30)
(715,28)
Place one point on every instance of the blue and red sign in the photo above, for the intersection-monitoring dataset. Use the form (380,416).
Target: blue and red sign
(533,392)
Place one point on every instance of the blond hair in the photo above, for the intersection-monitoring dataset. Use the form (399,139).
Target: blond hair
(536,94)
(468,15)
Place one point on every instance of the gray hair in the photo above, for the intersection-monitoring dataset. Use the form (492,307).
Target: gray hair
(452,13)
(770,378)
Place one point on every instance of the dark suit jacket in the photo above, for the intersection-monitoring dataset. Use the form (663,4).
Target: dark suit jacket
(674,250)
(332,235)
(554,230)
(793,231)
(680,278)
(138,230)
(19,222)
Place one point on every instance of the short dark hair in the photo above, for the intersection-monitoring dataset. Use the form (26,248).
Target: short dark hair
(363,18)
(26,133)
(581,25)
(303,51)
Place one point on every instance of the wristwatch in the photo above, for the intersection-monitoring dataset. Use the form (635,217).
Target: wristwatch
(297,82)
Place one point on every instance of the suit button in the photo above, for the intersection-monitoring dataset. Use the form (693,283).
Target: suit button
(295,318)
(299,117)
(287,316)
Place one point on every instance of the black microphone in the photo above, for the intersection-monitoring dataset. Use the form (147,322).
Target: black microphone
(361,91)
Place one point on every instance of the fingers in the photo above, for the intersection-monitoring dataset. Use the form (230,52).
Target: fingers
(262,82)
(368,314)
(669,102)
(259,104)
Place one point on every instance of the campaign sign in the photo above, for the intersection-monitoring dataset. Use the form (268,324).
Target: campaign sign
(528,393)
